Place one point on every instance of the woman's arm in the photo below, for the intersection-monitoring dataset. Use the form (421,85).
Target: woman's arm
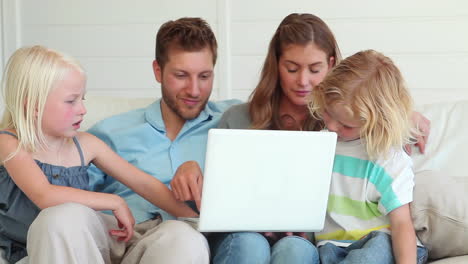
(403,235)
(31,180)
(142,183)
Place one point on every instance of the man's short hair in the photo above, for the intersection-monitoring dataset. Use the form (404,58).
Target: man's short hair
(187,34)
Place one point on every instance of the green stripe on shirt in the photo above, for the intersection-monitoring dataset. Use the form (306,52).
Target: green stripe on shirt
(353,235)
(358,168)
(346,206)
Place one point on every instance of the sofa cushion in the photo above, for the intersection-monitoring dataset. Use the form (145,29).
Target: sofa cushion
(440,207)
(453,260)
(440,213)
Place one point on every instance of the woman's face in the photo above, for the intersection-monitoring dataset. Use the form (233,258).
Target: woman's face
(301,68)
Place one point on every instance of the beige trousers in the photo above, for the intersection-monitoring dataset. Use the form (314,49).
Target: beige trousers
(75,234)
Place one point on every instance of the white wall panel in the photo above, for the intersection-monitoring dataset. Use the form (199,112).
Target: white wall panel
(387,35)
(88,12)
(119,73)
(434,71)
(409,35)
(246,71)
(135,40)
(114,39)
(263,10)
(427,39)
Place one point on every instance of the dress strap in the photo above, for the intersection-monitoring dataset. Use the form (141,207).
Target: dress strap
(77,144)
(8,133)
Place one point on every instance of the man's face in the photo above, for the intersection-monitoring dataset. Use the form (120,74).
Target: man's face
(186,81)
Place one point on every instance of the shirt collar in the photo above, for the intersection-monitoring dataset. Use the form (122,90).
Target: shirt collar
(153,116)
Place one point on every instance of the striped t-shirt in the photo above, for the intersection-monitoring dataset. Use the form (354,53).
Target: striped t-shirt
(363,192)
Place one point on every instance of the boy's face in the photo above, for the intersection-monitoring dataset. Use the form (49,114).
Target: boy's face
(338,119)
(186,81)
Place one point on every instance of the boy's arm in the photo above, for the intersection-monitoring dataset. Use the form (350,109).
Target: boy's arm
(403,235)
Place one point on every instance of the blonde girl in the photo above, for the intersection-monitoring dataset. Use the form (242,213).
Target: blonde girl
(44,159)
(365,101)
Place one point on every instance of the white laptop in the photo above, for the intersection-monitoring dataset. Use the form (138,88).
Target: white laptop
(264,180)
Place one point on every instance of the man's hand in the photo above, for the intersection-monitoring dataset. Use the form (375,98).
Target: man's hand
(188,182)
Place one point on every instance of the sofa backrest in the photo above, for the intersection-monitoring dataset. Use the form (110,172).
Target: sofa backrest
(447,146)
(100,107)
(445,151)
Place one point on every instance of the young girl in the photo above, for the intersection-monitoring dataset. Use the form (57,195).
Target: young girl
(365,101)
(44,159)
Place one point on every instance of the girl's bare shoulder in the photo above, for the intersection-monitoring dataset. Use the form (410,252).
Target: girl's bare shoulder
(89,143)
(7,140)
(87,137)
(9,145)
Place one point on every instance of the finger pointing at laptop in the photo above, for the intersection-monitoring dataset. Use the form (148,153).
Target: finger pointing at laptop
(188,182)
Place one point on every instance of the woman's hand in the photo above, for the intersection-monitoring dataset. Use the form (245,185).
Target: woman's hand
(273,237)
(125,221)
(424,126)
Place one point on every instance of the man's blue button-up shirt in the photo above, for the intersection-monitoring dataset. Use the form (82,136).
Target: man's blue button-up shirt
(139,136)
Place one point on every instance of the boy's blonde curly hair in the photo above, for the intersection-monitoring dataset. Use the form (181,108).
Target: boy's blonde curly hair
(373,90)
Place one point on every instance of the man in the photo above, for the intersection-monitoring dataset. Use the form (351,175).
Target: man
(158,139)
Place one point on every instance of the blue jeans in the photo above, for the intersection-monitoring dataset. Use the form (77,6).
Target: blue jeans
(374,248)
(252,247)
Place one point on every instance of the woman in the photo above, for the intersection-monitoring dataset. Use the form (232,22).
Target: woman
(302,51)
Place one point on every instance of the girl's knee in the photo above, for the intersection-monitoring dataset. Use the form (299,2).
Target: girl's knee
(172,237)
(178,228)
(182,233)
(61,216)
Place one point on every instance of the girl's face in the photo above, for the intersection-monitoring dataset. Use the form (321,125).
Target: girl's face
(301,68)
(64,109)
(338,120)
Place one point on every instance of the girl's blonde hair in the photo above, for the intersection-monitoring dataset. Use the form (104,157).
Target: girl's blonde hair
(295,29)
(372,89)
(30,75)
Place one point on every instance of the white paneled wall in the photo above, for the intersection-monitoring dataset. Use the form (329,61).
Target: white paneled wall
(428,40)
(114,39)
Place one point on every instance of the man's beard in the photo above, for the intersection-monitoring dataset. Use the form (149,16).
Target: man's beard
(172,104)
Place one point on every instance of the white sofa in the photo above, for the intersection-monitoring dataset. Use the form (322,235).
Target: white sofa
(444,158)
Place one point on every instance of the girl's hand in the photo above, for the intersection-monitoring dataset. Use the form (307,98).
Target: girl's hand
(125,221)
